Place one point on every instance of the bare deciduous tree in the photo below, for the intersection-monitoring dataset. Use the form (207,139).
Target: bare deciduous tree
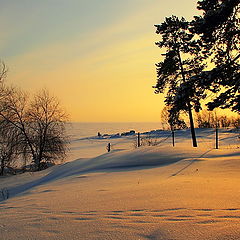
(46,124)
(3,71)
(206,119)
(9,145)
(39,122)
(209,119)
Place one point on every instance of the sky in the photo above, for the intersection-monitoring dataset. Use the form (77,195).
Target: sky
(97,56)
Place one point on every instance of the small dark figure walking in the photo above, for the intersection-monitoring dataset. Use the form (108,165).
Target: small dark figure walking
(109,147)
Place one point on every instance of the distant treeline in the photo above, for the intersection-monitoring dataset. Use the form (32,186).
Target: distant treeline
(208,119)
(203,119)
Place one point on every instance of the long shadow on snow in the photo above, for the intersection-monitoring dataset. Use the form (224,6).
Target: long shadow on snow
(115,161)
(106,162)
(190,163)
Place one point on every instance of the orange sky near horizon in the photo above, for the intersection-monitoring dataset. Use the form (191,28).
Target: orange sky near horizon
(97,57)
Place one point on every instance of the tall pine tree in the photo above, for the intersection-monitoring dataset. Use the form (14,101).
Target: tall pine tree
(219,28)
(182,62)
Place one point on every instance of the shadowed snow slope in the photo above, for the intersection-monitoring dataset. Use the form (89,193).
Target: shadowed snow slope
(116,160)
(145,157)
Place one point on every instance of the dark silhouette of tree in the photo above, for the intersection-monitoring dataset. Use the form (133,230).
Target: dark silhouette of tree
(173,122)
(39,123)
(9,145)
(219,28)
(14,108)
(3,71)
(181,63)
(8,140)
(3,75)
(47,128)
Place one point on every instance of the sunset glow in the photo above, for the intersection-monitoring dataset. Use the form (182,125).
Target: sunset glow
(98,57)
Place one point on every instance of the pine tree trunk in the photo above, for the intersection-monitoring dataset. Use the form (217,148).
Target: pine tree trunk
(194,140)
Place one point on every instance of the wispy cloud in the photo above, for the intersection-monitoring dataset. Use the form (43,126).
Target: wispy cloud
(98,56)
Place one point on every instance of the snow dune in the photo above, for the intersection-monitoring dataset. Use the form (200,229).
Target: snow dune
(117,160)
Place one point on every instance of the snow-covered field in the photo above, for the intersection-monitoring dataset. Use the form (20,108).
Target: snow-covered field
(152,192)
